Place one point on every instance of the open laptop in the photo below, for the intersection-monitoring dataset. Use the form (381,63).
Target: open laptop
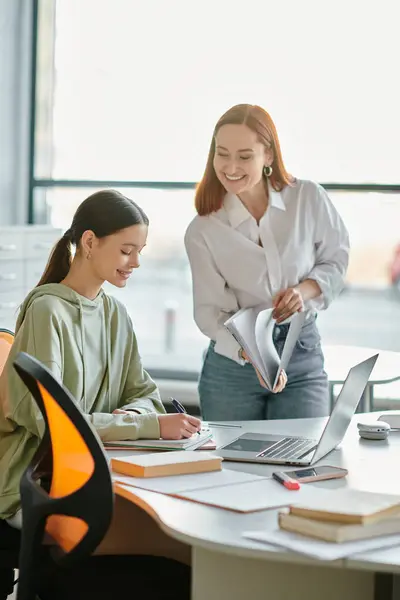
(287,450)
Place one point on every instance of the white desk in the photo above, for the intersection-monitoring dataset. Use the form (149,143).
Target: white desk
(229,566)
(339,359)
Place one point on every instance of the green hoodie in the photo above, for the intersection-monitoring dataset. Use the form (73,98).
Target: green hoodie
(91,347)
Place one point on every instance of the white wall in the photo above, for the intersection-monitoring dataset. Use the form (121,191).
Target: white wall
(15,42)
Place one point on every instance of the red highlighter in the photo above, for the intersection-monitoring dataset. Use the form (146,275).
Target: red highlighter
(288,482)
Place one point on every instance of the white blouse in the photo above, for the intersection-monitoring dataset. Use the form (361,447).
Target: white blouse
(302,237)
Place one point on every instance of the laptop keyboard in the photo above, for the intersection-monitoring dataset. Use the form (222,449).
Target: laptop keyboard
(289,449)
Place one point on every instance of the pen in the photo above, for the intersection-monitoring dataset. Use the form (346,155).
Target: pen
(227,425)
(285,480)
(179,408)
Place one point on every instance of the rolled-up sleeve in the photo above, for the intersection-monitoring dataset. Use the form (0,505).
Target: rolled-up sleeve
(213,301)
(332,247)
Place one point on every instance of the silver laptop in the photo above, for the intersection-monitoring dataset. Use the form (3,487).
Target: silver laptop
(285,450)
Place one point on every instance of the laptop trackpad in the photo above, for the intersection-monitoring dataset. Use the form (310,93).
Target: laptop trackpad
(251,445)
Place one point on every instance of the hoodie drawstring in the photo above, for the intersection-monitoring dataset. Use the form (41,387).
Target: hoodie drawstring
(107,318)
(81,324)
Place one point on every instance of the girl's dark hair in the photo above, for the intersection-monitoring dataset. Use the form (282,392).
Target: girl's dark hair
(105,212)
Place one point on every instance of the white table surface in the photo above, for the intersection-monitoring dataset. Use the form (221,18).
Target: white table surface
(339,359)
(216,534)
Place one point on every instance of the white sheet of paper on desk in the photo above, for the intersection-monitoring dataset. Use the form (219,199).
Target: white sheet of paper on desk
(181,483)
(253,495)
(318,548)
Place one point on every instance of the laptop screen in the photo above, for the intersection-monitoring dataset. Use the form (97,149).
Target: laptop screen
(345,407)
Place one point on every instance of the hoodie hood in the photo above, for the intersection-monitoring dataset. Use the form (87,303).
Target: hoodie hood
(99,307)
(61,291)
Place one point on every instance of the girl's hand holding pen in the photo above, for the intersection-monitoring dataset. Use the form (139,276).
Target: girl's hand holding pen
(182,425)
(178,426)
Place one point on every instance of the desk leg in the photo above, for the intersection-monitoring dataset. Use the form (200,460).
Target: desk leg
(331,396)
(366,402)
(387,586)
(227,577)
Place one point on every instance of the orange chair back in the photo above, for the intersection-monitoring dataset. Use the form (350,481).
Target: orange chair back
(73,466)
(6,341)
(78,501)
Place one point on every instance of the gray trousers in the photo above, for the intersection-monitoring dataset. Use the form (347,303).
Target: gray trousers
(231,392)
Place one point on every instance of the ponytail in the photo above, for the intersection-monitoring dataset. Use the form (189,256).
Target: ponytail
(59,262)
(105,213)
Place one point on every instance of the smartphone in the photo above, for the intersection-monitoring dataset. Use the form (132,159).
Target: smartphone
(317,473)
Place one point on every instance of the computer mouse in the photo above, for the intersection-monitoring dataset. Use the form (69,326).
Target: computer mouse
(374,430)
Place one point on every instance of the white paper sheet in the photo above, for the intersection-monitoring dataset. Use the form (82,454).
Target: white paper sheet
(296,325)
(318,548)
(242,325)
(263,333)
(184,444)
(254,495)
(181,483)
(253,329)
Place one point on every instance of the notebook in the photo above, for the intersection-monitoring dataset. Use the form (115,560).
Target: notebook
(184,444)
(209,444)
(171,463)
(252,496)
(187,482)
(338,532)
(253,329)
(349,506)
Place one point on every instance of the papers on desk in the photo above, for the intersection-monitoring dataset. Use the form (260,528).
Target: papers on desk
(319,549)
(253,496)
(195,441)
(175,484)
(230,490)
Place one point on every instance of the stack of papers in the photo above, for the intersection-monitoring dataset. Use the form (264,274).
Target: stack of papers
(175,484)
(195,441)
(319,549)
(253,329)
(252,496)
(226,489)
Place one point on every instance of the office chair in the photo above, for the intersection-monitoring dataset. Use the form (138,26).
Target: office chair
(9,537)
(6,341)
(66,491)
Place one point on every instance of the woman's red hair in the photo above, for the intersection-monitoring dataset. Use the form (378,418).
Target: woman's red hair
(210,192)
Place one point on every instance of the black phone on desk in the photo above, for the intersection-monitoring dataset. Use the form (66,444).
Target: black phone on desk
(321,473)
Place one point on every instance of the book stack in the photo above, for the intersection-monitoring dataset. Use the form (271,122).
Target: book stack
(348,515)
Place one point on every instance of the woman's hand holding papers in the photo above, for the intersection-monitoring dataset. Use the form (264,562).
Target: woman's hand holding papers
(282,380)
(286,303)
(289,301)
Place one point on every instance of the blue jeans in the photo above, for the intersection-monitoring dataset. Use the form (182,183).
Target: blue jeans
(231,392)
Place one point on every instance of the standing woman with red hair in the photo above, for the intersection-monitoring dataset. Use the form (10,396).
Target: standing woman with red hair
(261,237)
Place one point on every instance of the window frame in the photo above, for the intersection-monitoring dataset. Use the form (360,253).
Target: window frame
(41,182)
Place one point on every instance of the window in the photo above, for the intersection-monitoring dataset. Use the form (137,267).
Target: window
(127,94)
(138,86)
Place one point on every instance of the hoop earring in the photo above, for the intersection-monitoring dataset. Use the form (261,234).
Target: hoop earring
(89,255)
(267,171)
